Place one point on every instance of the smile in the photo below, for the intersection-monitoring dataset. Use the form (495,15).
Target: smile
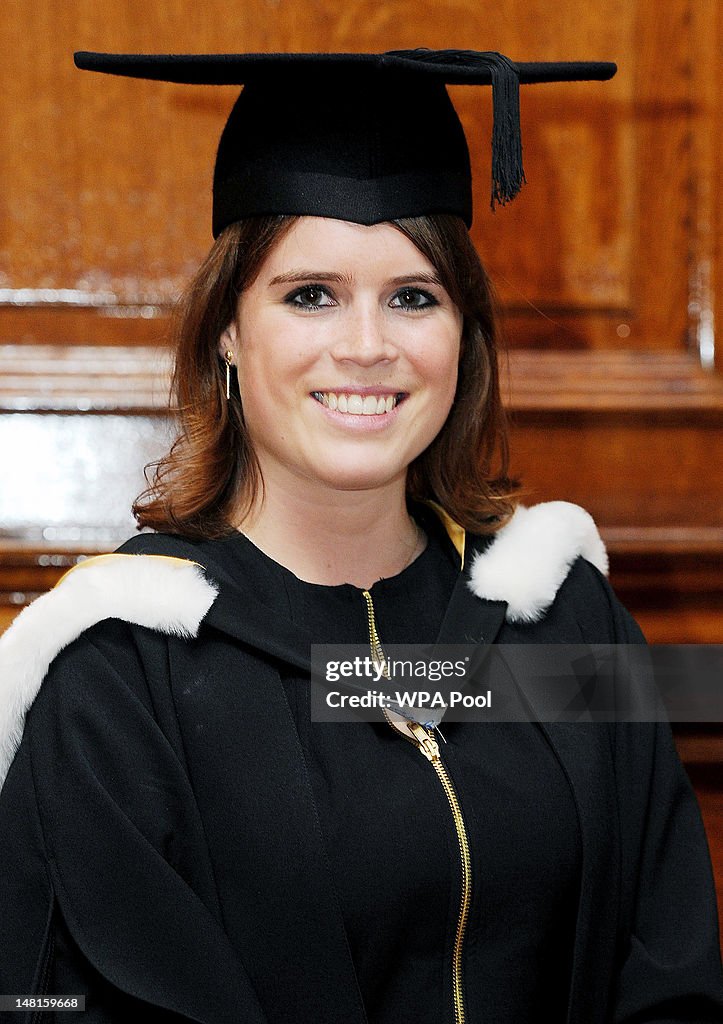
(358,405)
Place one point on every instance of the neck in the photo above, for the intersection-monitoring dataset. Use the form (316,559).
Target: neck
(332,537)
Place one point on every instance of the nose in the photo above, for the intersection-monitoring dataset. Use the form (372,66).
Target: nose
(364,337)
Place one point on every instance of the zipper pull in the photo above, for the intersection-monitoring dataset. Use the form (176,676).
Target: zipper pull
(427,744)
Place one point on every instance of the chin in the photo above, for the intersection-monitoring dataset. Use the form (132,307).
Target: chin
(359,477)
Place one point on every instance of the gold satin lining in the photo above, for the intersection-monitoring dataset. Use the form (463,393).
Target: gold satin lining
(94,559)
(456,533)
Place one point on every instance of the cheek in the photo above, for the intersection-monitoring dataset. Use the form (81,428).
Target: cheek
(440,362)
(276,348)
(273,379)
(447,371)
(260,359)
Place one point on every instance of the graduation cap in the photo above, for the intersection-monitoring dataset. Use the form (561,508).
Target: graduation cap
(353,136)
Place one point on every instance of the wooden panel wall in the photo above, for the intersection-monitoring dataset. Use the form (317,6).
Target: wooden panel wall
(106,182)
(608,268)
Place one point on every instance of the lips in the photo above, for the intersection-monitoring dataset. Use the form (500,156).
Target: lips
(358,405)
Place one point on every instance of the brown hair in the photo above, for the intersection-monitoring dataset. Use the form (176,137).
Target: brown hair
(211,475)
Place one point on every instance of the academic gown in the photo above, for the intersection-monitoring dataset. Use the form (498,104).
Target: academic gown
(162,846)
(388,828)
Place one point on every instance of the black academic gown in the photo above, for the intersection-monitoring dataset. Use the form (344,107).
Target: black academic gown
(162,849)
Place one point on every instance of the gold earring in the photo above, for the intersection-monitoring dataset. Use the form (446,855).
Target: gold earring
(229,363)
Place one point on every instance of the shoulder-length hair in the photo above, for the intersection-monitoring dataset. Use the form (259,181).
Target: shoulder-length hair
(210,478)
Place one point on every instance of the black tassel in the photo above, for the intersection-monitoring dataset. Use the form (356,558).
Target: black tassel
(508,175)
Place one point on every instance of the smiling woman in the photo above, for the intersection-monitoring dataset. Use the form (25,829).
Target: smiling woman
(358,336)
(182,835)
(329,320)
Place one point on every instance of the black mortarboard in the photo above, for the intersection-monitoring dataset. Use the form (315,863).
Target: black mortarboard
(354,136)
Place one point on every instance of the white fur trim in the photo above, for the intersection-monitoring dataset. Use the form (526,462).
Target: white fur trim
(531,555)
(524,565)
(171,595)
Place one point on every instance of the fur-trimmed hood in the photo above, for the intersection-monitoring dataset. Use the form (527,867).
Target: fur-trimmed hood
(523,566)
(531,556)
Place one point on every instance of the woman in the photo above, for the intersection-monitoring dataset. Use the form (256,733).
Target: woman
(179,836)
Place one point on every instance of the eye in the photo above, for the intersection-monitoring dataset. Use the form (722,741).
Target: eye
(413,298)
(311,296)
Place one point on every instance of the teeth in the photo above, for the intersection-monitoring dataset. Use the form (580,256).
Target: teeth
(357,405)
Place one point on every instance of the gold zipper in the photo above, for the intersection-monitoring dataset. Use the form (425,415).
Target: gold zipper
(424,740)
(378,656)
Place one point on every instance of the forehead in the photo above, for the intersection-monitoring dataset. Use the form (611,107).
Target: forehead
(322,244)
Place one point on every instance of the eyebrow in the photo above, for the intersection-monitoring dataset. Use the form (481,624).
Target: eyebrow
(298,276)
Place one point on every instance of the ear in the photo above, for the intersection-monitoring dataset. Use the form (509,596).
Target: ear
(228,341)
